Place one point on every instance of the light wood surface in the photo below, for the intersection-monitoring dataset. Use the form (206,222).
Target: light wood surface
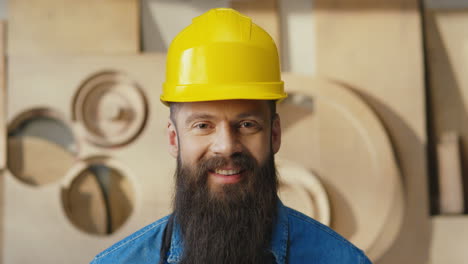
(301,190)
(76,27)
(111,107)
(121,198)
(329,130)
(36,161)
(3,127)
(264,13)
(450,175)
(449,239)
(144,162)
(85,205)
(447,53)
(375,48)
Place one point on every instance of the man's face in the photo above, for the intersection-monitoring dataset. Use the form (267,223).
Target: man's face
(226,184)
(205,130)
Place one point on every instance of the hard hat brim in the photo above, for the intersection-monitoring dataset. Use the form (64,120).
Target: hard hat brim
(218,92)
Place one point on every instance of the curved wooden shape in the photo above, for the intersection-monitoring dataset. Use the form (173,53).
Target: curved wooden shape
(36,161)
(330,130)
(111,108)
(301,190)
(85,204)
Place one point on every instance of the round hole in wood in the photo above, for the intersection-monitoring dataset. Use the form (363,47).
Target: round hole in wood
(99,200)
(111,108)
(41,147)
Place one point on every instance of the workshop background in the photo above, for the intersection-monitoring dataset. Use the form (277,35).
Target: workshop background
(375,128)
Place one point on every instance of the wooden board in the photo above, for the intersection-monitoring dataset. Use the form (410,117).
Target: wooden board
(297,36)
(3,127)
(450,176)
(375,48)
(85,204)
(449,240)
(144,161)
(76,27)
(36,161)
(264,13)
(301,190)
(121,198)
(340,138)
(447,54)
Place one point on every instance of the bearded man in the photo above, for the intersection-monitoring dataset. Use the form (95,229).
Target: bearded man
(223,82)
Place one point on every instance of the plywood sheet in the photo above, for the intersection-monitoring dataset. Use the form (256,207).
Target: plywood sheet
(144,161)
(450,176)
(375,48)
(449,240)
(36,161)
(3,128)
(303,191)
(297,36)
(331,131)
(264,13)
(85,204)
(447,53)
(76,27)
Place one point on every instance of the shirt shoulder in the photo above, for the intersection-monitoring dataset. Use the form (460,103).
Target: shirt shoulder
(143,246)
(310,239)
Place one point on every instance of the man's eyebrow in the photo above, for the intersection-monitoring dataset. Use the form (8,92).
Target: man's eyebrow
(197,116)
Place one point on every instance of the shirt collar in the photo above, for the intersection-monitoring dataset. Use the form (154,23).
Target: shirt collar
(278,245)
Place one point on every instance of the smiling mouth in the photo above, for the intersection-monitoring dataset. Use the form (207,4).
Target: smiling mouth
(227,172)
(226,176)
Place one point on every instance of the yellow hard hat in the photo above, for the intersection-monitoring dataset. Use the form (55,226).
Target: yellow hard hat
(222,55)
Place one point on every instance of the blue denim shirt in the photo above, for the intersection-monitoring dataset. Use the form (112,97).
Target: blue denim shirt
(296,238)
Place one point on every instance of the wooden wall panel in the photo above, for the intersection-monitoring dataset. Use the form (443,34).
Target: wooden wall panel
(69,26)
(145,161)
(3,132)
(3,129)
(375,47)
(447,54)
(347,146)
(449,240)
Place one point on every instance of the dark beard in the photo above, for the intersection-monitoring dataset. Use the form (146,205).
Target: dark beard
(232,224)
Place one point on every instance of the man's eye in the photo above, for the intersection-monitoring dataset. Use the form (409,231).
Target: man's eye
(202,126)
(247,124)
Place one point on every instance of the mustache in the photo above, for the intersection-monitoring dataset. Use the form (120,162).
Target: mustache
(242,160)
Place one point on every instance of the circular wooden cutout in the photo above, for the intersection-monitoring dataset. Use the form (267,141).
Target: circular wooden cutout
(99,199)
(36,161)
(85,204)
(111,108)
(330,130)
(301,190)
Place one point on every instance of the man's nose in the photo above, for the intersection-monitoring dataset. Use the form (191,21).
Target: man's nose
(226,141)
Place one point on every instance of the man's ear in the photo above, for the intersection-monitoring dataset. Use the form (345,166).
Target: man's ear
(173,139)
(276,134)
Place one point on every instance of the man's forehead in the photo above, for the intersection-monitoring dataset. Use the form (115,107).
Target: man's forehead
(224,107)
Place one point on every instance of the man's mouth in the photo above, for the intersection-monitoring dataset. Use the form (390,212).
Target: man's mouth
(226,175)
(226,172)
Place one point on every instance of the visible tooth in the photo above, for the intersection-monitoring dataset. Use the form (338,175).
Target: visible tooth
(227,172)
